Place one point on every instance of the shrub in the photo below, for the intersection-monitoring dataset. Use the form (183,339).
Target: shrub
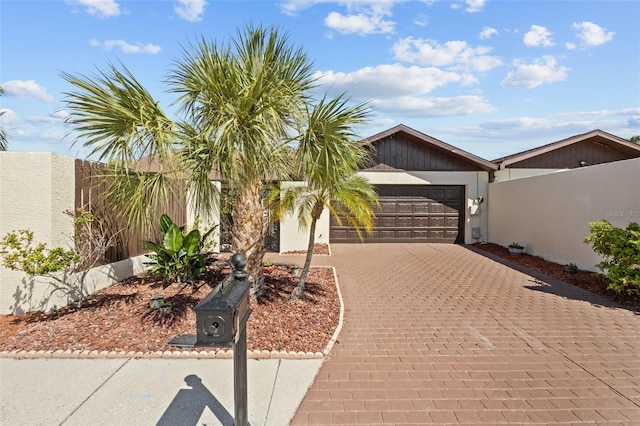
(621,251)
(66,268)
(179,257)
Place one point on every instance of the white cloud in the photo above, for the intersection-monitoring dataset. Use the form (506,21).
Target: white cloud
(8,117)
(433,107)
(358,23)
(570,46)
(474,5)
(455,54)
(538,36)
(487,32)
(363,17)
(26,89)
(126,47)
(190,10)
(543,70)
(56,117)
(391,80)
(421,20)
(292,7)
(592,34)
(101,8)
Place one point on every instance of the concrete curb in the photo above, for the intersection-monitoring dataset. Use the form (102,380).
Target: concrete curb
(214,353)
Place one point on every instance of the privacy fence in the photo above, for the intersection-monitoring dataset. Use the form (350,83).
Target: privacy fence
(91,184)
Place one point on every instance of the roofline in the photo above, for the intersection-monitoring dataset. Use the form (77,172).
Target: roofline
(524,155)
(484,164)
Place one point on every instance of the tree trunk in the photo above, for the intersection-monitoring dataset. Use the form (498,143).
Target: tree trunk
(315,215)
(248,233)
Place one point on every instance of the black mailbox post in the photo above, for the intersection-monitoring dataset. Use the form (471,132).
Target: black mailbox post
(221,314)
(221,319)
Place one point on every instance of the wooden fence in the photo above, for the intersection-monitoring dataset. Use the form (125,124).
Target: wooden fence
(89,195)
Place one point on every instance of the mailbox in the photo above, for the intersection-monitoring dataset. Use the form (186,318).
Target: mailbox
(222,314)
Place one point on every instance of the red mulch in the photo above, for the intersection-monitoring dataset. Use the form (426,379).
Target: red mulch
(594,282)
(118,318)
(317,249)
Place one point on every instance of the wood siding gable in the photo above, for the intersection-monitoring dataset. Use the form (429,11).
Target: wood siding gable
(402,148)
(585,153)
(595,147)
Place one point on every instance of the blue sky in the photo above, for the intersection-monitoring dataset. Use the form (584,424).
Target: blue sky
(490,77)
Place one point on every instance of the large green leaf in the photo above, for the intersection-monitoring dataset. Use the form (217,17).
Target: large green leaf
(191,242)
(173,239)
(165,223)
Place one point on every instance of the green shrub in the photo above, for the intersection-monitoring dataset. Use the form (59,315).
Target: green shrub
(65,268)
(621,251)
(179,257)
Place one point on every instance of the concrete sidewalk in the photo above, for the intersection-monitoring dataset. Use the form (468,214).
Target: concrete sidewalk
(138,392)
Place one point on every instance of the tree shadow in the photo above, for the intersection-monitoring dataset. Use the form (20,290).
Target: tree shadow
(547,284)
(188,405)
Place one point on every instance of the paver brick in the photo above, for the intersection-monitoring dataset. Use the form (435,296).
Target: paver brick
(457,337)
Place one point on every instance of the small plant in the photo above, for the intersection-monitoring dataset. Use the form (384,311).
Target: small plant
(516,248)
(620,248)
(179,257)
(570,267)
(66,268)
(267,263)
(294,269)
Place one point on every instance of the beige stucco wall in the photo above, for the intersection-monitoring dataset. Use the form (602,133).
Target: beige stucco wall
(292,237)
(549,214)
(207,219)
(475,184)
(510,174)
(35,190)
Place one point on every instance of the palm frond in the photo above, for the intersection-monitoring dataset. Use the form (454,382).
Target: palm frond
(115,116)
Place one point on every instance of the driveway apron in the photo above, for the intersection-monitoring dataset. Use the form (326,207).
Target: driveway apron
(441,334)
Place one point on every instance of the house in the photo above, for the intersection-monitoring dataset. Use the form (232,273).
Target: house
(587,149)
(429,191)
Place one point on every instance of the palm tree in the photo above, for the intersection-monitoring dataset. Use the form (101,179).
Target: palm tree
(3,134)
(329,158)
(240,102)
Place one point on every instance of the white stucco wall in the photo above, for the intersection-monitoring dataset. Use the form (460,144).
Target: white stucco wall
(35,190)
(510,174)
(292,237)
(475,184)
(207,219)
(549,214)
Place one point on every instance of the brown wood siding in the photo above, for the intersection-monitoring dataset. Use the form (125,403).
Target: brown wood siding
(591,151)
(88,190)
(411,213)
(404,152)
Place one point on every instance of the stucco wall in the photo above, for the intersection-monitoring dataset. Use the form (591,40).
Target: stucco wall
(509,174)
(207,219)
(293,238)
(35,190)
(549,214)
(475,184)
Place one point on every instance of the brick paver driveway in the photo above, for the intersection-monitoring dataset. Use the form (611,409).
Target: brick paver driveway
(440,334)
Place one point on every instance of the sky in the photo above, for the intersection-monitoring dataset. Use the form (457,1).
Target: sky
(490,77)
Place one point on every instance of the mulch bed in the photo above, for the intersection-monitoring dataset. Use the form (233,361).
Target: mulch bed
(119,318)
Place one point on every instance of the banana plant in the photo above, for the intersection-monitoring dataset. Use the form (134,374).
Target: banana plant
(179,257)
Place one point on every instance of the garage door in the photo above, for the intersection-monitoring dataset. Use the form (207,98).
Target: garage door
(411,213)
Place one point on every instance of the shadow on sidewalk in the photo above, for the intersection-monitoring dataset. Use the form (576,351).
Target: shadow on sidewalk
(189,404)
